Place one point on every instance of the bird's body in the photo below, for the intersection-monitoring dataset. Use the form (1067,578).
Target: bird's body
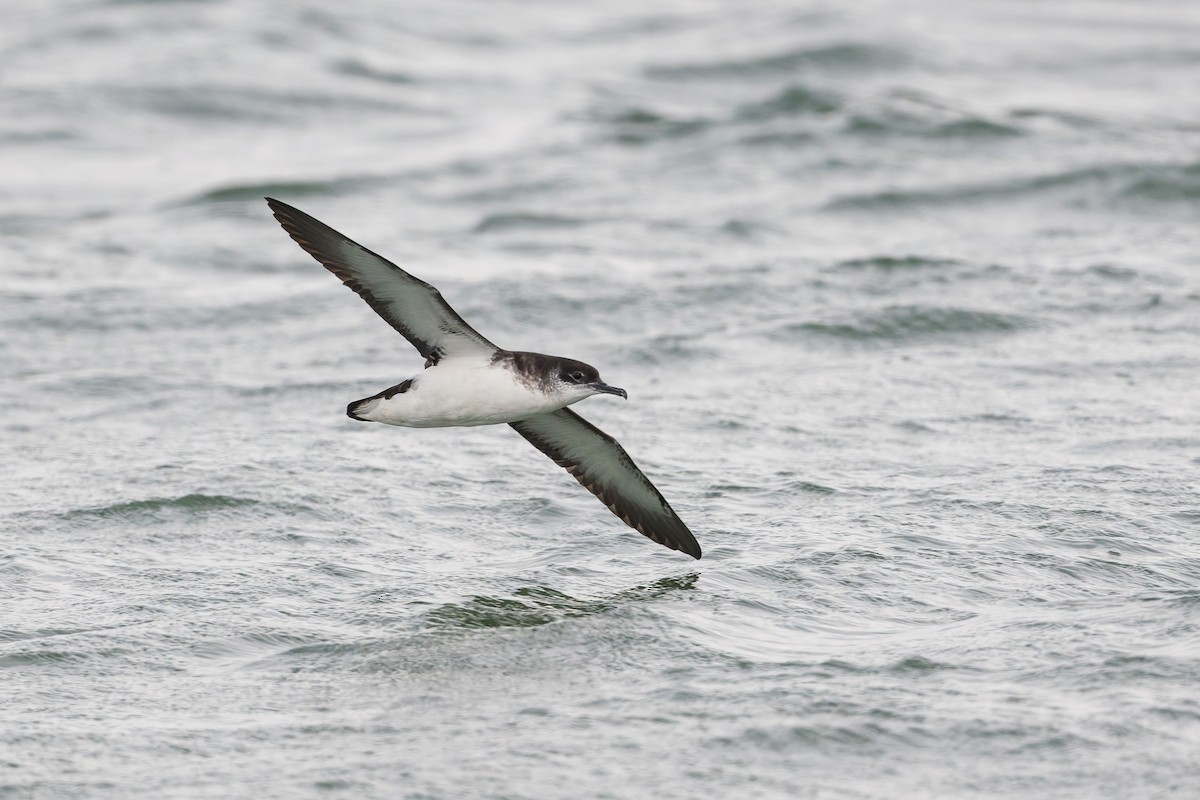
(469,381)
(465,391)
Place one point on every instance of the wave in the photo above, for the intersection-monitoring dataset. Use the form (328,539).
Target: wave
(1167,185)
(42,658)
(845,56)
(356,68)
(670,349)
(908,323)
(255,191)
(214,102)
(188,504)
(526,220)
(639,125)
(791,101)
(1111,183)
(896,263)
(966,127)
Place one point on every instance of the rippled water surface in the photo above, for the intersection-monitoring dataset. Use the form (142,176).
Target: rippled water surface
(907,300)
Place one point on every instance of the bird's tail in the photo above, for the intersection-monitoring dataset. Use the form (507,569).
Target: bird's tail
(361,409)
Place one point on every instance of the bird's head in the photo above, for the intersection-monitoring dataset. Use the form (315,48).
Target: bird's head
(578,380)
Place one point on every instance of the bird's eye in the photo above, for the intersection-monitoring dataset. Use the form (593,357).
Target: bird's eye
(576,377)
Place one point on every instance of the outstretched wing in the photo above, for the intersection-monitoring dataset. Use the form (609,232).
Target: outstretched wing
(408,304)
(600,463)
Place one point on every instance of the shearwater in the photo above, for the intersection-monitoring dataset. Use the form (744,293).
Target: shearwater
(467,380)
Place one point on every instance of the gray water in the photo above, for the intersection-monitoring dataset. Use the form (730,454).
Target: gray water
(906,297)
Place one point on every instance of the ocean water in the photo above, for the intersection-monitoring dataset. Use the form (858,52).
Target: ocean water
(906,297)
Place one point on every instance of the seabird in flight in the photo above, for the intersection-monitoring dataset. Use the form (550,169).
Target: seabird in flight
(470,381)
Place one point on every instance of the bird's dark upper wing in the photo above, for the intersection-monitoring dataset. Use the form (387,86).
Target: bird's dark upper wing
(408,304)
(599,462)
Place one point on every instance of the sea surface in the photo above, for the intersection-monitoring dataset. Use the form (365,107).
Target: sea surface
(906,297)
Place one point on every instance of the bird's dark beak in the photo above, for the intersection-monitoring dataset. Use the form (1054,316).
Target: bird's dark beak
(599,386)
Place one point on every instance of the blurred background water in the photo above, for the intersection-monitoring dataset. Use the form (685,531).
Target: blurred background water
(905,295)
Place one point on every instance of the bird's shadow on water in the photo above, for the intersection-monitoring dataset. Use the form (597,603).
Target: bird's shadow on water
(410,651)
(531,606)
